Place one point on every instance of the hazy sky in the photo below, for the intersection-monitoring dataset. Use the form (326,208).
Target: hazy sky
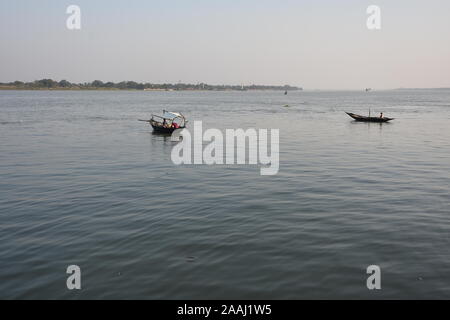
(316,44)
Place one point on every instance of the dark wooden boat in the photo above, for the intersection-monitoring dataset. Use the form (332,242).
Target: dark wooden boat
(167,123)
(357,117)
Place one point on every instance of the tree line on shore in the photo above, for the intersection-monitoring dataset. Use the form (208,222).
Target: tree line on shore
(132,85)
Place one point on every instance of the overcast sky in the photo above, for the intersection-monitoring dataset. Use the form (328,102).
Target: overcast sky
(316,44)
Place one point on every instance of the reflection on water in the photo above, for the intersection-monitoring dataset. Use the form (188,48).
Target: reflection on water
(371,125)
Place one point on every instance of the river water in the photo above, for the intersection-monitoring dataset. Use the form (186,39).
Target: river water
(83,182)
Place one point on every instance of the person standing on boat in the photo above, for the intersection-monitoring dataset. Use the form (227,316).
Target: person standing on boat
(381,115)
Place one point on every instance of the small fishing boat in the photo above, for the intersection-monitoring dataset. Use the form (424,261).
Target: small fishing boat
(357,117)
(168,122)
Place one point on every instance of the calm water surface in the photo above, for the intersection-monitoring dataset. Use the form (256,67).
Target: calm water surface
(83,182)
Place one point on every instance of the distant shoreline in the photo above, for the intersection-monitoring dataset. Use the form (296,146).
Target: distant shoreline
(14,88)
(115,89)
(49,84)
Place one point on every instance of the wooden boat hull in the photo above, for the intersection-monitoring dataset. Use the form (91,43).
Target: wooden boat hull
(357,117)
(160,129)
(163,130)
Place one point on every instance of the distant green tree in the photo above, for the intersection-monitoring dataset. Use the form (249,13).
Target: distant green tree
(46,83)
(97,84)
(132,85)
(122,85)
(64,84)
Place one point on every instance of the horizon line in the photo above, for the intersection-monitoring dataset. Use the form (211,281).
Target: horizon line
(228,85)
